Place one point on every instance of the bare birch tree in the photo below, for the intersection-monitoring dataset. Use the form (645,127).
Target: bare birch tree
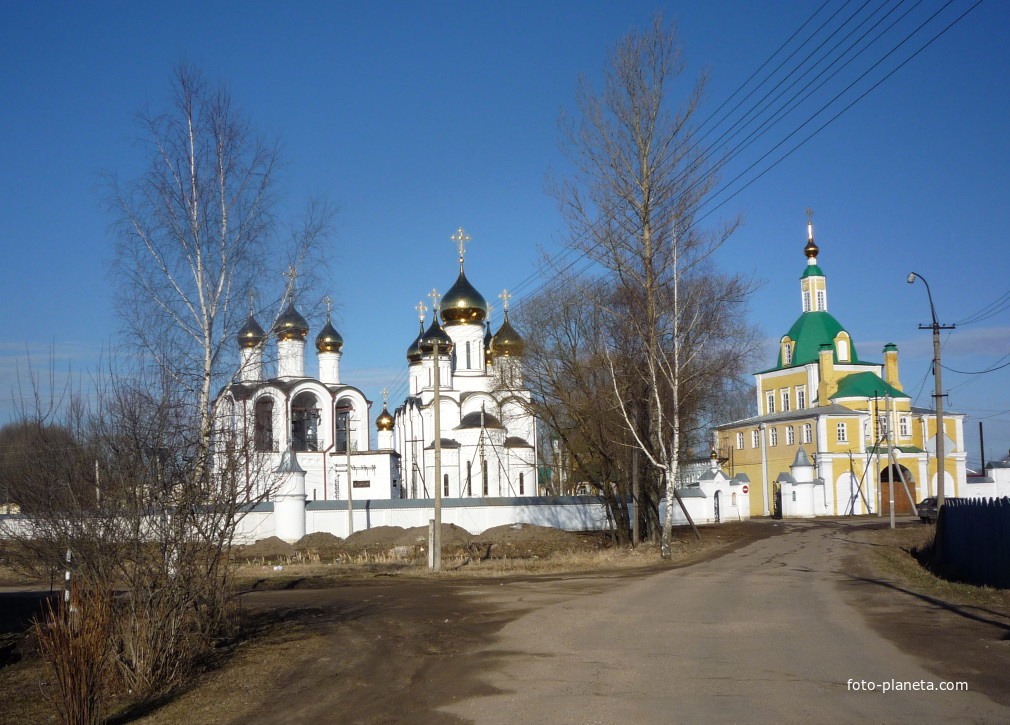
(196,237)
(640,176)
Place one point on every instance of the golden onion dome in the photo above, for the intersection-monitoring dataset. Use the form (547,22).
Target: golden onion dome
(811,249)
(328,339)
(507,342)
(435,334)
(463,304)
(251,333)
(414,351)
(291,325)
(385,421)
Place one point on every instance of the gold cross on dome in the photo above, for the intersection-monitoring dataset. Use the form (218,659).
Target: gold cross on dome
(329,306)
(385,397)
(252,302)
(810,222)
(461,238)
(505,297)
(292,275)
(421,309)
(435,297)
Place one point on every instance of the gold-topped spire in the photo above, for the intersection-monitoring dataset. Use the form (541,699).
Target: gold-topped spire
(421,310)
(811,249)
(505,297)
(461,238)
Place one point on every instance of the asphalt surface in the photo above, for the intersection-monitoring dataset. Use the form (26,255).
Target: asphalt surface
(770,633)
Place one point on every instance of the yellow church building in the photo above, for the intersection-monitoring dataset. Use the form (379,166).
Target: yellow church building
(838,422)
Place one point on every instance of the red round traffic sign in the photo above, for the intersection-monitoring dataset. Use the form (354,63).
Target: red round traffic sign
(745,488)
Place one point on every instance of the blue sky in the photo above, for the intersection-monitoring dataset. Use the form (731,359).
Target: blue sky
(417,118)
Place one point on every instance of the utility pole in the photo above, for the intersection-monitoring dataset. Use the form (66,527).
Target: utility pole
(436,534)
(938,392)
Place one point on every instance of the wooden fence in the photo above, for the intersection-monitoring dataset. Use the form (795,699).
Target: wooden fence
(973,541)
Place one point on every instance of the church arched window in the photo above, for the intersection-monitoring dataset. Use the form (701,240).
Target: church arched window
(263,426)
(305,422)
(346,425)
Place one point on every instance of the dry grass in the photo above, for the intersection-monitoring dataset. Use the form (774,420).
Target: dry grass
(896,553)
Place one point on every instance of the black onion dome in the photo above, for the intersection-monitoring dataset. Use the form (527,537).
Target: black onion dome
(385,421)
(328,339)
(291,325)
(463,304)
(435,334)
(487,343)
(414,351)
(507,342)
(251,333)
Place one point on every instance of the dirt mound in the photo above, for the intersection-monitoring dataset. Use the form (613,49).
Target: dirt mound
(270,548)
(526,532)
(378,537)
(529,541)
(320,538)
(321,544)
(452,535)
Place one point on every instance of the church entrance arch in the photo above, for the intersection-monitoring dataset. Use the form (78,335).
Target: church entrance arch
(890,477)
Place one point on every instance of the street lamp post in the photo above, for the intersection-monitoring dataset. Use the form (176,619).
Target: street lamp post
(938,392)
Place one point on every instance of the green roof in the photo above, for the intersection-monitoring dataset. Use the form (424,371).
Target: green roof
(865,385)
(812,270)
(809,332)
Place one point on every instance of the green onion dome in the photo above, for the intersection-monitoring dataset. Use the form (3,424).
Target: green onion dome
(414,351)
(291,325)
(328,339)
(251,334)
(507,342)
(435,334)
(463,304)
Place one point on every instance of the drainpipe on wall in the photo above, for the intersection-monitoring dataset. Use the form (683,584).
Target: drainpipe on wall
(764,469)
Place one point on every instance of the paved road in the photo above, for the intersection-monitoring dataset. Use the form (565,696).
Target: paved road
(767,634)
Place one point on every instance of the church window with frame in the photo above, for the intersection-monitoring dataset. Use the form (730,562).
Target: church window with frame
(263,427)
(483,473)
(468,355)
(305,422)
(739,441)
(755,438)
(522,485)
(904,429)
(790,436)
(773,436)
(785,399)
(445,485)
(787,353)
(469,478)
(822,300)
(808,433)
(806,301)
(770,403)
(801,398)
(841,432)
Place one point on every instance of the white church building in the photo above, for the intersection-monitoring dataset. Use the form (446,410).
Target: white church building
(310,434)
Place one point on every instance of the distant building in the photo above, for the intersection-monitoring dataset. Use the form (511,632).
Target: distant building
(834,416)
